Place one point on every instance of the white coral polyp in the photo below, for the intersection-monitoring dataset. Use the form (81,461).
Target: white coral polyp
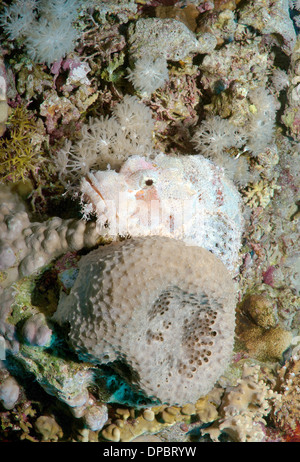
(49,41)
(18,17)
(132,115)
(108,141)
(45,26)
(149,74)
(215,135)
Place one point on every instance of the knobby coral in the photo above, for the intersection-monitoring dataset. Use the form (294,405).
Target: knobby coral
(159,311)
(25,246)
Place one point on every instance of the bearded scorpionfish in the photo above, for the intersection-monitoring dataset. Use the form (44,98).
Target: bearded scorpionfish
(185,197)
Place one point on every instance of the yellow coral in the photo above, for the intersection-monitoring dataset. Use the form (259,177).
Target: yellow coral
(261,193)
(206,406)
(19,155)
(48,428)
(128,426)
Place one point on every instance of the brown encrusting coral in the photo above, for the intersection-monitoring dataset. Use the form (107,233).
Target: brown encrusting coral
(258,330)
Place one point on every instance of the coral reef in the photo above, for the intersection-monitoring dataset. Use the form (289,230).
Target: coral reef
(71,388)
(129,425)
(165,100)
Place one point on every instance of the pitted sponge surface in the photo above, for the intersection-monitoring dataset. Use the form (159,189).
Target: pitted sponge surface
(163,308)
